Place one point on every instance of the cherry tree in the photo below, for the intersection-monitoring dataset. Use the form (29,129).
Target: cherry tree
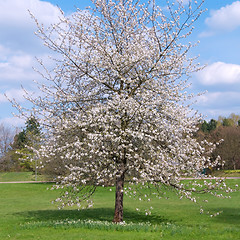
(115,106)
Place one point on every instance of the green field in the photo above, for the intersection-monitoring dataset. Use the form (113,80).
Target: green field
(30,176)
(26,212)
(227,173)
(20,176)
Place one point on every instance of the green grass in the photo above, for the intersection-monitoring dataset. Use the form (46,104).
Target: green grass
(26,212)
(20,176)
(30,176)
(227,173)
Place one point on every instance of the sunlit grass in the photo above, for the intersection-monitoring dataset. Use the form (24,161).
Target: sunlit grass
(27,213)
(20,176)
(227,173)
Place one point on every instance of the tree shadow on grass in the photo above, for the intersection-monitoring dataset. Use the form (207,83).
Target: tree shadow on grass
(228,216)
(96,214)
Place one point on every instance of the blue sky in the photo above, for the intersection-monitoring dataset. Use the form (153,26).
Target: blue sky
(218,30)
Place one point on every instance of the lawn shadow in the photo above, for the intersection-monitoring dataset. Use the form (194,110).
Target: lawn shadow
(228,216)
(96,214)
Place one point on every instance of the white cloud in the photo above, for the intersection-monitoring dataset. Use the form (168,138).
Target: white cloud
(214,104)
(185,1)
(18,44)
(16,26)
(23,61)
(16,94)
(224,19)
(13,122)
(220,73)
(17,68)
(207,97)
(4,52)
(16,11)
(228,98)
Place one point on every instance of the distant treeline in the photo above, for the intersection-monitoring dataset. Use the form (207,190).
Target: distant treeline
(228,129)
(232,121)
(15,156)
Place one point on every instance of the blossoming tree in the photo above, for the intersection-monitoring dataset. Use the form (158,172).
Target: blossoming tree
(115,107)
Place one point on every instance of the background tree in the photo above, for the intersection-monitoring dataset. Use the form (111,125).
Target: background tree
(6,139)
(207,127)
(25,143)
(232,120)
(228,122)
(115,109)
(235,118)
(229,149)
(19,155)
(226,129)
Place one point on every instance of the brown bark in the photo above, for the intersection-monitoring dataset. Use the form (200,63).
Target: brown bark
(234,163)
(118,215)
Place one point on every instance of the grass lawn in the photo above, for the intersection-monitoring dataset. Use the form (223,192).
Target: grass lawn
(20,176)
(30,176)
(227,173)
(26,212)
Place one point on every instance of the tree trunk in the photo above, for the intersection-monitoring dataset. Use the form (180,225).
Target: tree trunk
(234,165)
(118,215)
